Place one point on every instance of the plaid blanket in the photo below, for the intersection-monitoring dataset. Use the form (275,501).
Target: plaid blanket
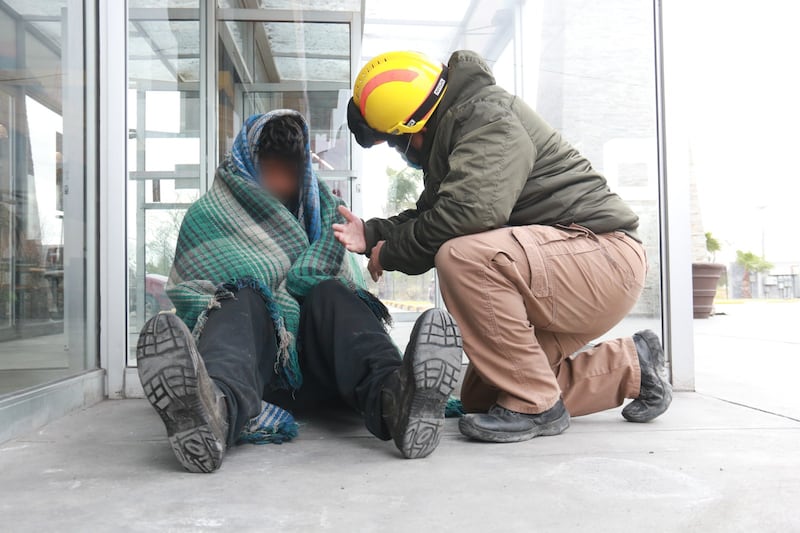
(238,233)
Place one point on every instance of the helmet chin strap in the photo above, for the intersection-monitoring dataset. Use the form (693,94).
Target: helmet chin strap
(411,159)
(408,144)
(433,97)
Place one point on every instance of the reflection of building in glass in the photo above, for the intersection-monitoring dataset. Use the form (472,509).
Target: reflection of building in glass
(596,87)
(43,249)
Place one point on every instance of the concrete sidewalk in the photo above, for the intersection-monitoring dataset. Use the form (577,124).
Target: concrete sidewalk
(707,465)
(724,459)
(750,354)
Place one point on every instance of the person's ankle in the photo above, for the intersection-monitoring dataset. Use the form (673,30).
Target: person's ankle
(655,391)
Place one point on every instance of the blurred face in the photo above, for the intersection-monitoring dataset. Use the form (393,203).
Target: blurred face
(281,178)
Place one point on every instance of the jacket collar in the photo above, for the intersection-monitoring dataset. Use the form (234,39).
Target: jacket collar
(468,74)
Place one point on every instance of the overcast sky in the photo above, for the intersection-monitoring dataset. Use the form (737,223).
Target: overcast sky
(734,82)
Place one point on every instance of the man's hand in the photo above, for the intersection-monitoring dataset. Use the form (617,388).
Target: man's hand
(351,234)
(374,266)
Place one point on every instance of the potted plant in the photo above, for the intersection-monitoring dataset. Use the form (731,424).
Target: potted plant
(705,277)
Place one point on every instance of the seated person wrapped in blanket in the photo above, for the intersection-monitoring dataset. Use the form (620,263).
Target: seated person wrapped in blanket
(272,316)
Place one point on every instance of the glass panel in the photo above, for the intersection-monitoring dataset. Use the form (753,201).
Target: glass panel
(43,285)
(398,291)
(595,84)
(423,12)
(299,5)
(164,148)
(593,81)
(259,66)
(279,51)
(163,3)
(311,5)
(434,40)
(438,28)
(434,27)
(309,39)
(744,200)
(38,8)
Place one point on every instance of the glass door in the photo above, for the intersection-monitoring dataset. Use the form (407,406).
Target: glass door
(165,145)
(257,56)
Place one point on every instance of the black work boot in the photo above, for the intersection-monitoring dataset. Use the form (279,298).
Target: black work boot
(415,395)
(176,383)
(504,425)
(655,393)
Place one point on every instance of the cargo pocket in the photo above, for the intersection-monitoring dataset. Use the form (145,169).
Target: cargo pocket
(540,285)
(541,242)
(620,261)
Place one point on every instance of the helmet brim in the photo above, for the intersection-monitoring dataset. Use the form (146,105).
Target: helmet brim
(364,134)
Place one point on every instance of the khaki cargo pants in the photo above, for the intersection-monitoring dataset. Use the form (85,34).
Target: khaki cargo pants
(527,300)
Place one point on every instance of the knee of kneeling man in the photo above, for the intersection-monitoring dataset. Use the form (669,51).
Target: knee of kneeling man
(452,253)
(444,257)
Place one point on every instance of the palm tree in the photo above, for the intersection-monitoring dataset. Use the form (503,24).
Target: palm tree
(751,263)
(713,246)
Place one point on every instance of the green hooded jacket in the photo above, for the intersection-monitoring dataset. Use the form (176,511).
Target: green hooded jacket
(491,161)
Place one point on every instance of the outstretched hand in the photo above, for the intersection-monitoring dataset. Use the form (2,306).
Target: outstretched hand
(351,233)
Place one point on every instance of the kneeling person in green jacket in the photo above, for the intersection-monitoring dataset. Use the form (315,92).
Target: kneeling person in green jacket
(536,256)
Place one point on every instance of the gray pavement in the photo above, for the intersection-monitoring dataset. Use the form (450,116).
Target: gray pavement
(707,465)
(724,459)
(751,355)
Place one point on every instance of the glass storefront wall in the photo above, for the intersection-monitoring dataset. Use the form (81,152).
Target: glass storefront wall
(591,75)
(45,255)
(437,29)
(196,70)
(264,65)
(254,60)
(588,69)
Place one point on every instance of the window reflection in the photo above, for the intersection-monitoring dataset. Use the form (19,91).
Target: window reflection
(164,145)
(264,61)
(294,65)
(43,285)
(595,85)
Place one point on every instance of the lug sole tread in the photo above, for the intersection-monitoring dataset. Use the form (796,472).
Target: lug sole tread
(170,382)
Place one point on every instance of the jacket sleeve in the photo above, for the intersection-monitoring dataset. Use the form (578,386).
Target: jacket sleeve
(488,167)
(379,229)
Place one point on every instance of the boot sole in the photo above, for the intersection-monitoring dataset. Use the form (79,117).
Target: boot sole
(431,368)
(168,366)
(555,427)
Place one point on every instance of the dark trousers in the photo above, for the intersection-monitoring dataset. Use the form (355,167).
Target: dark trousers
(345,355)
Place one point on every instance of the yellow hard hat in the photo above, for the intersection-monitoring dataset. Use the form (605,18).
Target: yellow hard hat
(397,92)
